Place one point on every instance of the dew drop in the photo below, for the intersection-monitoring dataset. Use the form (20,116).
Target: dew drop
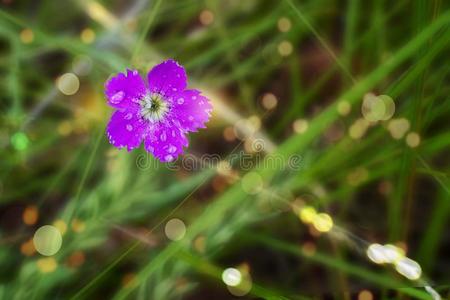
(194,97)
(163,137)
(128,116)
(129,127)
(172,149)
(168,158)
(117,97)
(191,118)
(180,101)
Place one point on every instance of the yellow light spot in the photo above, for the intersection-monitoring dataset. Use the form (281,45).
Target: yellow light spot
(255,122)
(64,128)
(99,13)
(365,295)
(175,229)
(228,134)
(358,129)
(284,24)
(344,108)
(323,222)
(231,277)
(269,101)
(87,36)
(373,108)
(408,268)
(200,243)
(78,225)
(47,240)
(307,214)
(76,259)
(398,127)
(27,248)
(68,84)
(285,48)
(47,265)
(252,183)
(26,36)
(389,106)
(300,126)
(61,226)
(224,168)
(375,252)
(206,17)
(30,215)
(413,139)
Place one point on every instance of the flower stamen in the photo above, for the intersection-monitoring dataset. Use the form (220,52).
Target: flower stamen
(153,107)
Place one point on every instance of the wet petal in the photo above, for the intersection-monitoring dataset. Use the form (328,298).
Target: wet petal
(165,141)
(191,109)
(126,129)
(124,90)
(167,78)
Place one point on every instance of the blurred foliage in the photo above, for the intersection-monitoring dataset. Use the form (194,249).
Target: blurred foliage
(319,58)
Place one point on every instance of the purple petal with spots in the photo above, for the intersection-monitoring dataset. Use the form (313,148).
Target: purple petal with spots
(191,109)
(126,129)
(168,78)
(124,90)
(165,141)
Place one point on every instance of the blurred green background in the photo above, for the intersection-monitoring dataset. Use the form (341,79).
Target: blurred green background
(287,78)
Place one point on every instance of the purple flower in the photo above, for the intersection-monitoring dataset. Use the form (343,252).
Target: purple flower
(160,114)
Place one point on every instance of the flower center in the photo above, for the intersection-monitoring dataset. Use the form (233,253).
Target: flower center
(153,107)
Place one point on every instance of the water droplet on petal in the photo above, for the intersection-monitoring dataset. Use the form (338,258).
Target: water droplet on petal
(180,101)
(194,97)
(163,136)
(129,127)
(117,97)
(128,116)
(168,158)
(191,118)
(172,149)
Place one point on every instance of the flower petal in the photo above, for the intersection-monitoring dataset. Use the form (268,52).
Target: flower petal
(191,109)
(125,90)
(165,141)
(167,78)
(126,129)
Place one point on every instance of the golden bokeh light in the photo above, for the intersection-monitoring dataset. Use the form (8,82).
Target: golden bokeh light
(231,277)
(47,240)
(413,139)
(61,226)
(344,108)
(175,229)
(30,215)
(398,127)
(284,24)
(365,295)
(307,214)
(408,268)
(285,48)
(323,222)
(269,101)
(358,129)
(206,17)
(78,225)
(68,84)
(87,36)
(47,265)
(27,248)
(300,126)
(26,36)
